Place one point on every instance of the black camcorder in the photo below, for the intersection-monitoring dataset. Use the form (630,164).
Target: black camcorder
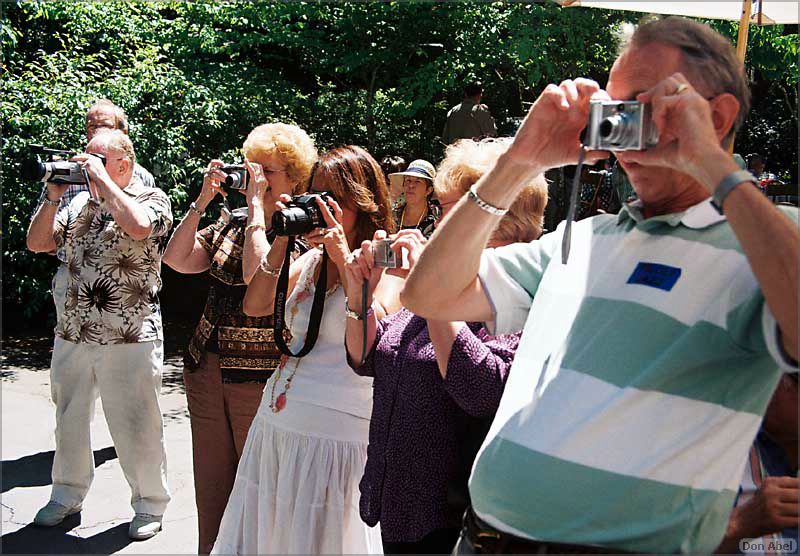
(56,168)
(235,176)
(301,215)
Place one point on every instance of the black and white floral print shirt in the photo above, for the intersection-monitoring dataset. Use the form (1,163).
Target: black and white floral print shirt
(114,280)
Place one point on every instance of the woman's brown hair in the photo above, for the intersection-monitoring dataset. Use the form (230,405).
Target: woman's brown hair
(357,181)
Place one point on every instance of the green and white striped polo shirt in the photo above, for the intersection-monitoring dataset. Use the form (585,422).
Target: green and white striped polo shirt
(645,366)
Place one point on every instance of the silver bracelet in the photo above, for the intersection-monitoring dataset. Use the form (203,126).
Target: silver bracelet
(483,205)
(194,209)
(728,184)
(267,269)
(355,315)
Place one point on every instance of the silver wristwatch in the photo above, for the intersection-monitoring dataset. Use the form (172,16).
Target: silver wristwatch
(728,184)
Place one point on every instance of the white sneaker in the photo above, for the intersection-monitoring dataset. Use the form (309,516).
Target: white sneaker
(53,514)
(144,526)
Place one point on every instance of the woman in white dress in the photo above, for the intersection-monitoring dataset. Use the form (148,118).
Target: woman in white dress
(296,488)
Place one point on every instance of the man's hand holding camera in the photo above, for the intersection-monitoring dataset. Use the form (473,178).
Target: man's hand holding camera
(56,190)
(550,135)
(99,180)
(690,131)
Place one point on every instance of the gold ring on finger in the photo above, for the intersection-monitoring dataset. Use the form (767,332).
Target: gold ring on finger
(681,88)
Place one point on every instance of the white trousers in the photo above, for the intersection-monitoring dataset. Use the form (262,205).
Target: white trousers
(128,379)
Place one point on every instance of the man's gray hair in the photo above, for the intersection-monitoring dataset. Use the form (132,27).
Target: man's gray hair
(120,118)
(709,58)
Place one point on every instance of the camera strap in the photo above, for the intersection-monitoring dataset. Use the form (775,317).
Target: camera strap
(316,307)
(364,309)
(566,240)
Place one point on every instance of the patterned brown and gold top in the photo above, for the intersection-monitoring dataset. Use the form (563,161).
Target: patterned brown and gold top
(246,347)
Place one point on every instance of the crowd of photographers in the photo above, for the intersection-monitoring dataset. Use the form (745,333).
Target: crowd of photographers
(392,358)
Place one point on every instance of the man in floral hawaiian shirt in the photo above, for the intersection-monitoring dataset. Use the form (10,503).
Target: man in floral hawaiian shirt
(109,339)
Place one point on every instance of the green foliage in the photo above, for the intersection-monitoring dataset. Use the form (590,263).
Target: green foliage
(196,77)
(771,128)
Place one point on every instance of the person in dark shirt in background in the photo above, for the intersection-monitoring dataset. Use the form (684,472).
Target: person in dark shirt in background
(766,510)
(391,165)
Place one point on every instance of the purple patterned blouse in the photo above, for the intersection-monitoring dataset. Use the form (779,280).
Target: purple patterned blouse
(415,456)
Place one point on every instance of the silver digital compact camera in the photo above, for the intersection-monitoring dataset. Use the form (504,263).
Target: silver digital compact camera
(383,255)
(617,125)
(235,176)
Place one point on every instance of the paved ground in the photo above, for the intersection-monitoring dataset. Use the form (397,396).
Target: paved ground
(28,423)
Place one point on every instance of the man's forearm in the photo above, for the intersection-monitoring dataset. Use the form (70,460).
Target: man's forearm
(735,532)
(40,232)
(458,243)
(128,214)
(770,241)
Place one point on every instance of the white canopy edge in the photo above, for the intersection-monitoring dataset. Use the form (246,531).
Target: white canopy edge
(773,11)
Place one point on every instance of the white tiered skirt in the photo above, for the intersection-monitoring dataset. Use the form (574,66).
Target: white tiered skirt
(296,488)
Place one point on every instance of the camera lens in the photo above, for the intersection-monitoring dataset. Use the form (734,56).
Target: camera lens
(613,128)
(233,181)
(32,169)
(293,221)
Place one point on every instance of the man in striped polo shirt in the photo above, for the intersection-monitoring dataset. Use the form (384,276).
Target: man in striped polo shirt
(647,361)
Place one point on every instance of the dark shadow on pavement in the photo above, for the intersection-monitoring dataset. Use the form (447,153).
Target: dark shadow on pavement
(34,470)
(26,352)
(33,539)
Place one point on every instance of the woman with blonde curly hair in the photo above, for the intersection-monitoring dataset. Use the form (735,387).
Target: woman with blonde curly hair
(437,384)
(231,355)
(296,489)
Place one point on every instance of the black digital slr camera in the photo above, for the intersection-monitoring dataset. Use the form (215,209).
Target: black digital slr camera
(55,168)
(301,215)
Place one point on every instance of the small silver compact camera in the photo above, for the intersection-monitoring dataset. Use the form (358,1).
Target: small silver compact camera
(235,176)
(616,125)
(383,255)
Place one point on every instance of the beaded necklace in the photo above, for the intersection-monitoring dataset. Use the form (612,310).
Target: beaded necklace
(402,217)
(278,404)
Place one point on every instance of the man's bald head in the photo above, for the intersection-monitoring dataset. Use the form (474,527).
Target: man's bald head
(117,148)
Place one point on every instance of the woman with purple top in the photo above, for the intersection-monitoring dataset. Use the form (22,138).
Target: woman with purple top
(437,384)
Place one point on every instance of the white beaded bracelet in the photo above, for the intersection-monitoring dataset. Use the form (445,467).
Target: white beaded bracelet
(267,269)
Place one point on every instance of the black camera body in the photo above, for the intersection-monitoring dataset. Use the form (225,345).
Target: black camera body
(235,176)
(301,215)
(55,169)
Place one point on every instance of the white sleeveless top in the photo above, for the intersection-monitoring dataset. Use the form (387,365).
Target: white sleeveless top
(323,377)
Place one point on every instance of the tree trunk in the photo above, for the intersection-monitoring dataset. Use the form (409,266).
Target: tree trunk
(371,139)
